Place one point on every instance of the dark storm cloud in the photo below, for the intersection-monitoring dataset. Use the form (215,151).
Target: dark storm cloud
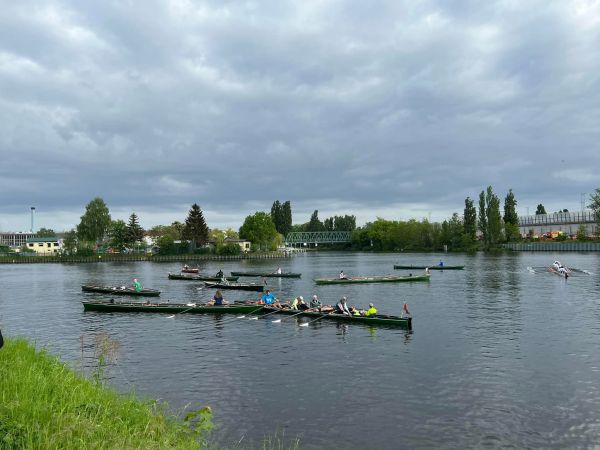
(373,108)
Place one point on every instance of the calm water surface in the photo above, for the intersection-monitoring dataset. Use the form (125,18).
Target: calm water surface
(500,355)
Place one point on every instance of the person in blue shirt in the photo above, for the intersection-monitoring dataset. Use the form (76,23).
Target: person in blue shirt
(268,298)
(441,264)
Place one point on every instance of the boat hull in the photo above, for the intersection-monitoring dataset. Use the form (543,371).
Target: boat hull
(396,266)
(113,290)
(236,286)
(173,276)
(354,280)
(170,308)
(267,275)
(385,320)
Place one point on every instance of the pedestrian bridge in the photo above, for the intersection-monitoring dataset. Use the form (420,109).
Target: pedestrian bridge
(568,222)
(317,237)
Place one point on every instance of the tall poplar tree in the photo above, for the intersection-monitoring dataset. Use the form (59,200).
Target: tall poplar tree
(277,216)
(494,219)
(482,223)
(511,219)
(470,220)
(286,217)
(195,228)
(540,210)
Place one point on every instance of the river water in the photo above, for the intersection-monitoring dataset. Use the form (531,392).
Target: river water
(501,355)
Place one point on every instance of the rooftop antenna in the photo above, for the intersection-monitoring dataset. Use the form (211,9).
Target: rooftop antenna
(32,215)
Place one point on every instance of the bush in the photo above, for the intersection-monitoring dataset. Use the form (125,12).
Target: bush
(203,251)
(229,249)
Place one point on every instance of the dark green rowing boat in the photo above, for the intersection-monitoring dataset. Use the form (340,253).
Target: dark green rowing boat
(173,276)
(379,319)
(434,267)
(386,279)
(171,308)
(267,275)
(114,290)
(238,286)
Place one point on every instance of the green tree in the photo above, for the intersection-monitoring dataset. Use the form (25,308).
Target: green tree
(494,219)
(45,232)
(581,233)
(70,242)
(135,233)
(314,223)
(540,210)
(195,228)
(482,222)
(277,215)
(511,219)
(470,220)
(260,230)
(118,235)
(94,222)
(287,218)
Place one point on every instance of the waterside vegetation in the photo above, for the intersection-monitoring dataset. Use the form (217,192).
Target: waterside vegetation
(45,404)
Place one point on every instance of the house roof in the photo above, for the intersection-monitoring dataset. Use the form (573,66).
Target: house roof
(42,239)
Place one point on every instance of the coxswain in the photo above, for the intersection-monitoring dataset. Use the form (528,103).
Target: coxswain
(371,312)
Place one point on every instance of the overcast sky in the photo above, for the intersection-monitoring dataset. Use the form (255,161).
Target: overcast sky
(377,108)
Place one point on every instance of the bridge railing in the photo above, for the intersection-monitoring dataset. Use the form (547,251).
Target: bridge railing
(557,218)
(318,237)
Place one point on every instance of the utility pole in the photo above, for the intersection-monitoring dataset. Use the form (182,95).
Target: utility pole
(32,214)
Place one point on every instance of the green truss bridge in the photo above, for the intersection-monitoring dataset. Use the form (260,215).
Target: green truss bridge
(317,237)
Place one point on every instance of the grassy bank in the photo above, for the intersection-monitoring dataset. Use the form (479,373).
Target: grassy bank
(45,404)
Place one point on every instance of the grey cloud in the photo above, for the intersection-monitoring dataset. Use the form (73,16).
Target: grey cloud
(364,106)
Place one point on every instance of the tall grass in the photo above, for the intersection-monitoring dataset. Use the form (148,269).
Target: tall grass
(46,405)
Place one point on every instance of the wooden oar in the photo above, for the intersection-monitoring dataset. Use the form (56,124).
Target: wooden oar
(264,315)
(286,317)
(181,312)
(305,324)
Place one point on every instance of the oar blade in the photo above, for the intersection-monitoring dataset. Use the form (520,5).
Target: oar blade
(253,318)
(276,321)
(305,324)
(240,317)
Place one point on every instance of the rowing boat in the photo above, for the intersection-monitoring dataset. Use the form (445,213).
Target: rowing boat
(171,308)
(239,286)
(384,279)
(267,275)
(174,276)
(434,267)
(560,274)
(121,290)
(379,319)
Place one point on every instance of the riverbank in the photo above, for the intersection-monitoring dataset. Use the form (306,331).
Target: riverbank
(141,257)
(45,404)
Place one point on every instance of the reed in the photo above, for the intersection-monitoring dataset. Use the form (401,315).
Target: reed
(45,404)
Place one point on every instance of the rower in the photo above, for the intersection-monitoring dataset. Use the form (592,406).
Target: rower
(371,312)
(342,275)
(219,273)
(279,272)
(295,303)
(341,307)
(315,303)
(441,263)
(268,298)
(301,305)
(137,285)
